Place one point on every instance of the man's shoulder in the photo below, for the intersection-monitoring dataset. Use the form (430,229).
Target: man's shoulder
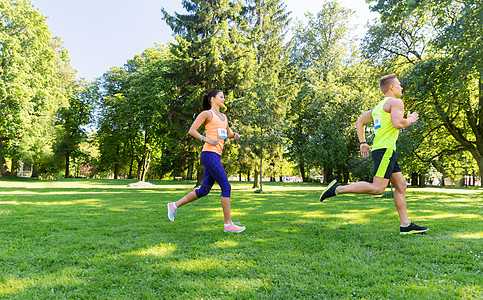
(392,99)
(393,102)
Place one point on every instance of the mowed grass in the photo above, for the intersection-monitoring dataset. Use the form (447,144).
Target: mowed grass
(89,239)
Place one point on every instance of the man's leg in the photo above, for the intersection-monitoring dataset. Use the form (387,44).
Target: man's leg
(377,187)
(407,227)
(400,186)
(383,164)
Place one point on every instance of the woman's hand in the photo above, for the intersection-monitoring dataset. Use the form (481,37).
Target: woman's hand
(236,136)
(211,142)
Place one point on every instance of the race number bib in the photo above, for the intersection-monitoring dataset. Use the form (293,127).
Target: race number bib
(377,122)
(222,134)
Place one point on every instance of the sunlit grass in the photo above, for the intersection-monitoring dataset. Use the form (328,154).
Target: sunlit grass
(476,235)
(87,239)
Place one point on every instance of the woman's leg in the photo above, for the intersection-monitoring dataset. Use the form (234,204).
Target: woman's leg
(191,196)
(216,171)
(205,188)
(226,205)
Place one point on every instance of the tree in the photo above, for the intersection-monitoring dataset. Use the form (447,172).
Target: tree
(262,108)
(35,81)
(149,95)
(114,132)
(71,124)
(332,93)
(437,45)
(211,52)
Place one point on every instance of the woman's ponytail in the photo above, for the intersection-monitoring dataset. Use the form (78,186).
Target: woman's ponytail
(206,103)
(207,99)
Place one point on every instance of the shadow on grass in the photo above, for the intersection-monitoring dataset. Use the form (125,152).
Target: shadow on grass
(111,242)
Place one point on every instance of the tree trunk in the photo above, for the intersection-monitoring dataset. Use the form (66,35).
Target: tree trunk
(3,165)
(328,177)
(14,167)
(189,173)
(480,165)
(261,168)
(67,163)
(260,187)
(140,167)
(422,182)
(35,170)
(199,175)
(147,161)
(346,177)
(255,180)
(129,176)
(116,170)
(414,179)
(302,171)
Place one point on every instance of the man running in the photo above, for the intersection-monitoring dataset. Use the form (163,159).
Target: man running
(388,118)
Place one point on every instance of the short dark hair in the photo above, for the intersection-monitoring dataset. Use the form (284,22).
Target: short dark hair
(386,81)
(207,99)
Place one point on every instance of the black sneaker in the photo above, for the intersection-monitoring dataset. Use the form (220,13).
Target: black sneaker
(412,228)
(329,190)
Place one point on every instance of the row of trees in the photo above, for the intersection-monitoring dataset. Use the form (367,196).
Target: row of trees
(294,101)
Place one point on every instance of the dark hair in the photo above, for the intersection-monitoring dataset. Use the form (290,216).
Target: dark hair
(386,81)
(207,99)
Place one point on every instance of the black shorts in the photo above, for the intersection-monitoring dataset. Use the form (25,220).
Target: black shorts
(385,163)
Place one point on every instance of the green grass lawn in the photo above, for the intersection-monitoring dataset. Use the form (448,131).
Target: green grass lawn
(83,239)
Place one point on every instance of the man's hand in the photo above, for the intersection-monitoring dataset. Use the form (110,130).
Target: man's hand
(412,117)
(365,149)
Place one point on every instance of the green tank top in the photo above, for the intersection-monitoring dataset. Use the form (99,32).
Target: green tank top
(385,134)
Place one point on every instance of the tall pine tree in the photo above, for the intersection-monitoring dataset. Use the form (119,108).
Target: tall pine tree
(211,52)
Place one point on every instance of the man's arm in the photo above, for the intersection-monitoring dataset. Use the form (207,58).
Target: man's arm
(361,132)
(396,108)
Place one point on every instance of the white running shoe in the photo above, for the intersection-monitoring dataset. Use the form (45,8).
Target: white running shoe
(234,228)
(171,211)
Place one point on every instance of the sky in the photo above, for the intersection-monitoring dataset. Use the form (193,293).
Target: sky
(100,34)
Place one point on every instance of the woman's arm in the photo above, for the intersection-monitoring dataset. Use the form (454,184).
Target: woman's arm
(201,119)
(232,135)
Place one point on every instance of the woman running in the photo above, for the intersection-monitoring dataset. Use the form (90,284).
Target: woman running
(217,131)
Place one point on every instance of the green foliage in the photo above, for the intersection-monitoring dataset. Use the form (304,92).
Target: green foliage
(262,109)
(212,51)
(437,47)
(71,125)
(293,103)
(332,93)
(133,103)
(35,81)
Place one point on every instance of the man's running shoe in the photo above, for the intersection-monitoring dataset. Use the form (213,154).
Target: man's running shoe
(171,211)
(412,228)
(329,190)
(234,228)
